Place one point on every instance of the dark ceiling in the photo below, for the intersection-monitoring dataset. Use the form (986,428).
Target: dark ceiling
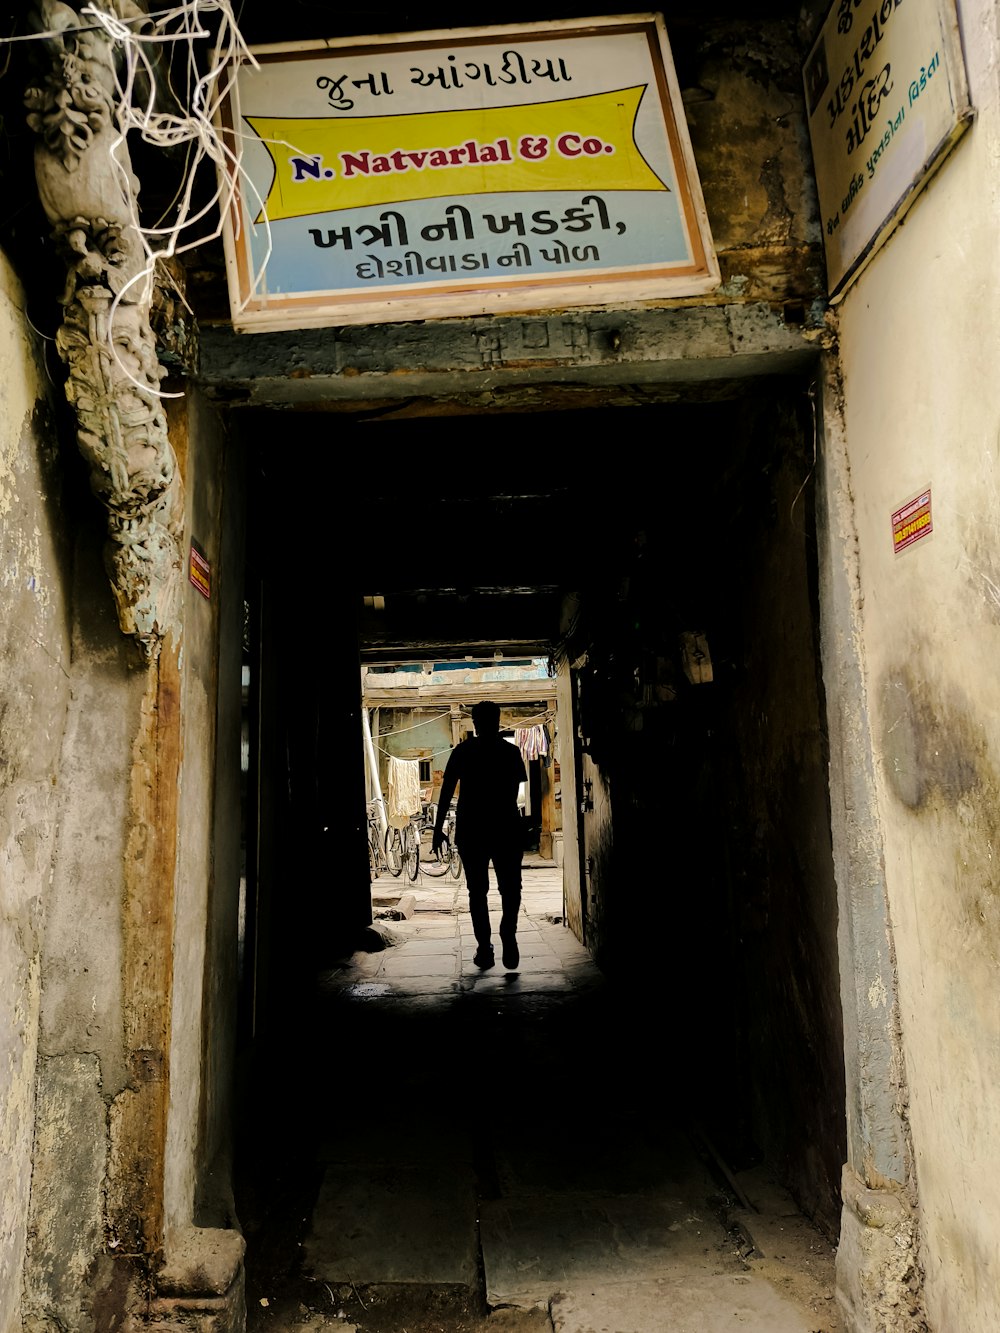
(262,22)
(480,534)
(297,20)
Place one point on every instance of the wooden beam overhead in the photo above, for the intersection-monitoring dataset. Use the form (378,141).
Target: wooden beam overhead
(503,691)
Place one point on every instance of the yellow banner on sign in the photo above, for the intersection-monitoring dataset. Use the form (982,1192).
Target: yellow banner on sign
(581,143)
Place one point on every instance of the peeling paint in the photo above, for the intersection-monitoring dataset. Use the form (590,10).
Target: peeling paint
(878,996)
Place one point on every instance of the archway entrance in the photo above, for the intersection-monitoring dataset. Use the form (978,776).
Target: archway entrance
(664,557)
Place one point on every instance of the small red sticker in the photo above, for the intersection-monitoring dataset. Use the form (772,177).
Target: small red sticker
(200,571)
(912,521)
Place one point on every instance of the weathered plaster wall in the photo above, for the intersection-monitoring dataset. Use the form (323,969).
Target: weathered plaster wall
(139,957)
(203,1025)
(745,113)
(190,936)
(203,1248)
(90,1075)
(879,1281)
(920,345)
(34,692)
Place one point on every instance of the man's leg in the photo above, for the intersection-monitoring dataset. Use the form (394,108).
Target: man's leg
(476,864)
(507,864)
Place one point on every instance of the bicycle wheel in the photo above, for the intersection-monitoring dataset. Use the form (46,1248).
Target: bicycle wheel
(379,861)
(454,861)
(374,853)
(435,864)
(394,852)
(411,852)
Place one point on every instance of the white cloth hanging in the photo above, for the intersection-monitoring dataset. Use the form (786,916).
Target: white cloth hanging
(403,791)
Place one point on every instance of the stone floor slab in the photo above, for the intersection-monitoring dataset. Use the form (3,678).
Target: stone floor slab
(723,1303)
(394,1223)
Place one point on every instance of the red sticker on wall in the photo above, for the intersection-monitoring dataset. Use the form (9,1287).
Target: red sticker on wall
(912,522)
(200,571)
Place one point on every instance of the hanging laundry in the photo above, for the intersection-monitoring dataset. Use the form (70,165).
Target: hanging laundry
(403,791)
(532,742)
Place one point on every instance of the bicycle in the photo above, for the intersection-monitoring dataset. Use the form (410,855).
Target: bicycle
(451,855)
(377,862)
(447,857)
(402,850)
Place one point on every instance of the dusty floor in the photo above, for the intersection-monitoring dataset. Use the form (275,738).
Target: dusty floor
(415,1311)
(799,1265)
(303,1306)
(534,1092)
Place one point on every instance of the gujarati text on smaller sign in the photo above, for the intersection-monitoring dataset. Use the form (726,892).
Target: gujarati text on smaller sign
(887,97)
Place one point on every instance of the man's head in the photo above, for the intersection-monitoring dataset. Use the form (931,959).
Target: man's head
(486,717)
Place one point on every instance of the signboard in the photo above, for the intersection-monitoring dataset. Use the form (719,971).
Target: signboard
(886,96)
(912,521)
(475,170)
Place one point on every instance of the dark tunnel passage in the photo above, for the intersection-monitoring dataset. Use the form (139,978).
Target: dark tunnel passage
(665,557)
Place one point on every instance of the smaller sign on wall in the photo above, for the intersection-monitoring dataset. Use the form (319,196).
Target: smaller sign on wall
(912,521)
(887,98)
(200,571)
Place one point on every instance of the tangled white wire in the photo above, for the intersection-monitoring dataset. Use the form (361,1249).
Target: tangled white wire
(198,126)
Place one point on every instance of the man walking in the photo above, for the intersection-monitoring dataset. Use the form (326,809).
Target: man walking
(488,772)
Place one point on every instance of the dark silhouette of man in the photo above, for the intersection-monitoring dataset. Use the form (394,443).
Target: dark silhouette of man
(488,772)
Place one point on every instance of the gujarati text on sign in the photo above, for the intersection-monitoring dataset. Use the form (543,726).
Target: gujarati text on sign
(512,168)
(886,96)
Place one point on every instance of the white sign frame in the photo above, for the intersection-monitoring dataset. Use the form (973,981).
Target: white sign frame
(883,127)
(259,137)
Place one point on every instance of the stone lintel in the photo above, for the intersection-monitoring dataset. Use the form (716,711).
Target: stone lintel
(679,345)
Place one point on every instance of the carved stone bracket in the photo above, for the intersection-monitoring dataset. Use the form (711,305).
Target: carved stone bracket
(89,192)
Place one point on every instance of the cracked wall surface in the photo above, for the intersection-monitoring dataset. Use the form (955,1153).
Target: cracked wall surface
(34,653)
(87,1068)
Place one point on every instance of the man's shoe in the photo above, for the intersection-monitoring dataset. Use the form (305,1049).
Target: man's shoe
(511,954)
(484,957)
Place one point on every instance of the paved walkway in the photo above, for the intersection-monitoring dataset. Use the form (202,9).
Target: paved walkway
(520,1131)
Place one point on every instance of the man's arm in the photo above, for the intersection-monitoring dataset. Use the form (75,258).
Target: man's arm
(448,784)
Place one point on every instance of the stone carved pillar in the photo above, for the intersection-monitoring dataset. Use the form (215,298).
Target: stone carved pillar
(88,191)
